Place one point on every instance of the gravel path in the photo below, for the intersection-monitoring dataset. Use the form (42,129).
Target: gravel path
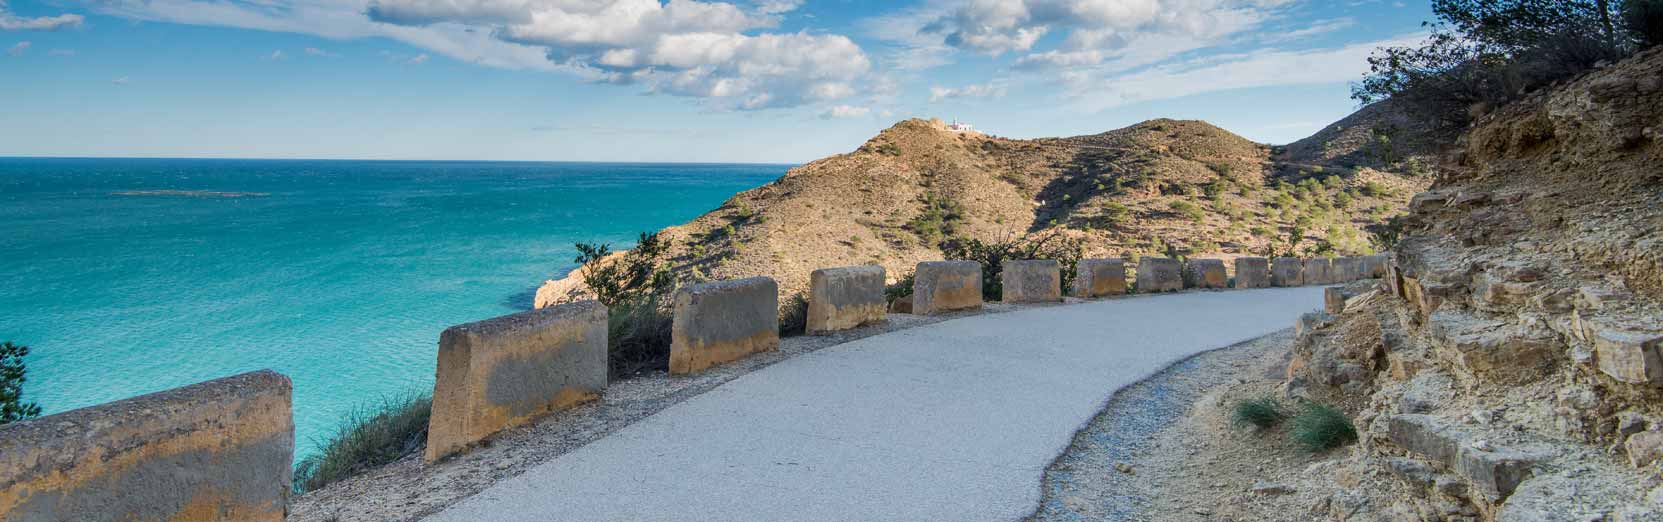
(950,421)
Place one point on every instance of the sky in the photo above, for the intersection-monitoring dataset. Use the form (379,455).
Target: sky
(755,81)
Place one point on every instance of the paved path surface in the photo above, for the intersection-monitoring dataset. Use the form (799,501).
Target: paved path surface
(954,421)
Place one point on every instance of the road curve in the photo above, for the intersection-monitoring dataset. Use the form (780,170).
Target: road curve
(952,421)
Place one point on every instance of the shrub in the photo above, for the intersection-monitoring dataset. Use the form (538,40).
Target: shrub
(794,316)
(635,289)
(1189,210)
(1384,236)
(938,222)
(1115,213)
(1644,18)
(992,256)
(1319,427)
(901,289)
(1262,412)
(12,376)
(1492,52)
(371,436)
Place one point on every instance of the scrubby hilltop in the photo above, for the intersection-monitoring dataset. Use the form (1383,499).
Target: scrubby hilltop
(1152,188)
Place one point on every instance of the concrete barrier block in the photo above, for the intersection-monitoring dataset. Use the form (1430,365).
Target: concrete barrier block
(1159,274)
(1333,300)
(1287,271)
(844,298)
(507,371)
(214,451)
(1374,267)
(944,286)
(1319,271)
(1252,272)
(1207,273)
(1031,281)
(1099,277)
(1346,269)
(723,322)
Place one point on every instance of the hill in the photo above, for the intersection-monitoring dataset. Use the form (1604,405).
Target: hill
(1157,187)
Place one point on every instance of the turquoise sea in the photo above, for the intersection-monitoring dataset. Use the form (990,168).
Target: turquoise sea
(128,276)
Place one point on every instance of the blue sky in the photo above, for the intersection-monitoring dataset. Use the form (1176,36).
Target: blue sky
(781,81)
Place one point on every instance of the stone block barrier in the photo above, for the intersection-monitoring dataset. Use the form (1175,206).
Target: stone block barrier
(1287,271)
(1099,277)
(1159,274)
(722,322)
(507,371)
(1374,267)
(1319,271)
(1346,269)
(1333,300)
(1252,272)
(944,286)
(844,298)
(220,450)
(1207,273)
(1031,281)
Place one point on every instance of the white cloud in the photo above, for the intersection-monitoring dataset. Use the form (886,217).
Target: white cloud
(711,50)
(313,51)
(276,55)
(844,111)
(418,59)
(18,49)
(1134,32)
(774,7)
(121,81)
(939,93)
(1096,92)
(12,22)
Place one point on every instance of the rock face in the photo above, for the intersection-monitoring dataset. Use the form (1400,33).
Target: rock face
(1252,272)
(1514,343)
(214,451)
(945,286)
(1159,274)
(1100,278)
(844,298)
(1031,281)
(724,321)
(1207,273)
(504,372)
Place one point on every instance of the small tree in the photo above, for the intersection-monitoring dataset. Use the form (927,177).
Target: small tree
(12,370)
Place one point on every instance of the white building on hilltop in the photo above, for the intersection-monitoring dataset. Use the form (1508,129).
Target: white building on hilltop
(959,127)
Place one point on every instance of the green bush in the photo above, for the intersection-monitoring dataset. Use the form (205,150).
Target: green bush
(939,221)
(635,289)
(1644,18)
(1189,210)
(12,375)
(1066,251)
(370,437)
(901,289)
(794,315)
(1320,427)
(1262,412)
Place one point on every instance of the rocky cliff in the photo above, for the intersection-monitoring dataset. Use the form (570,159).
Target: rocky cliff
(1150,188)
(1510,367)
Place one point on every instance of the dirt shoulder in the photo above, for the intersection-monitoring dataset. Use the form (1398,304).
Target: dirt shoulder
(1164,449)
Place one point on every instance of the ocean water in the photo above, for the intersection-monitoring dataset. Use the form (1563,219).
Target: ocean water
(128,276)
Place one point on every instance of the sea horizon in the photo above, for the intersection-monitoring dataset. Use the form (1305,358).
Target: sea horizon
(142,274)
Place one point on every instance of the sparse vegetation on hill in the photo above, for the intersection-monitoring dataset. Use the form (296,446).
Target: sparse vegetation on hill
(918,190)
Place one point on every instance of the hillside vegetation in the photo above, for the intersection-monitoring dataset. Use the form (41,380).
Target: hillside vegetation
(1159,187)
